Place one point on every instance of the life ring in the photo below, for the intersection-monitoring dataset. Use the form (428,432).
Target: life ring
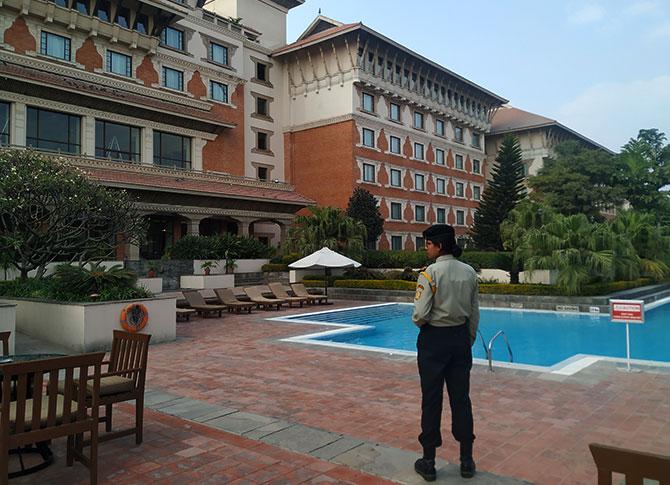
(134,317)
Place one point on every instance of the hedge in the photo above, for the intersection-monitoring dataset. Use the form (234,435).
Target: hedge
(274,267)
(488,259)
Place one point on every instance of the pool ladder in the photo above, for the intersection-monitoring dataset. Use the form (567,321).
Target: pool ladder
(488,349)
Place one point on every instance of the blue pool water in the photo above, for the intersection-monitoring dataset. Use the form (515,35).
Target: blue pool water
(536,338)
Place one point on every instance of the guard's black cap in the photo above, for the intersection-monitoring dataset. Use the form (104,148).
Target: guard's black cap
(445,235)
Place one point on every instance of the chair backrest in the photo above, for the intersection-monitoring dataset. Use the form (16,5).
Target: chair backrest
(253,292)
(4,336)
(226,295)
(278,290)
(129,352)
(299,289)
(635,465)
(193,297)
(38,411)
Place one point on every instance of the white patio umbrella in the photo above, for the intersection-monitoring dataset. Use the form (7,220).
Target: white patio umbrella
(325,258)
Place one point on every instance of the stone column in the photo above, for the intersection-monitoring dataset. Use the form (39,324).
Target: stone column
(18,123)
(133,252)
(193,225)
(244,226)
(88,136)
(147,145)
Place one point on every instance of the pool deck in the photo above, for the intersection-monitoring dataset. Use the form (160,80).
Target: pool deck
(230,402)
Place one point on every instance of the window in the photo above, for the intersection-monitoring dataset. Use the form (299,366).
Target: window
(172,150)
(396,211)
(262,141)
(172,37)
(460,218)
(368,172)
(476,166)
(420,243)
(117,141)
(120,64)
(368,102)
(459,162)
(441,186)
(141,23)
(261,106)
(396,243)
(458,134)
(218,53)
(4,123)
(476,192)
(53,131)
(419,213)
(476,142)
(102,10)
(368,138)
(262,173)
(418,120)
(53,45)
(394,112)
(418,182)
(395,177)
(218,91)
(459,189)
(395,145)
(173,79)
(439,156)
(439,127)
(261,71)
(418,151)
(441,216)
(123,17)
(81,6)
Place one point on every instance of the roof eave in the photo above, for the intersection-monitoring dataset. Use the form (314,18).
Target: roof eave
(545,125)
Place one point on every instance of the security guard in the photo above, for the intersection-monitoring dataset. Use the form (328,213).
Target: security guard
(446,309)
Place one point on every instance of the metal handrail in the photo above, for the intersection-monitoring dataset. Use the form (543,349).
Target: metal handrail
(486,352)
(489,350)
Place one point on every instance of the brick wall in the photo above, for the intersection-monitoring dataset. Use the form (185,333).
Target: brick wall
(147,72)
(226,153)
(19,37)
(88,56)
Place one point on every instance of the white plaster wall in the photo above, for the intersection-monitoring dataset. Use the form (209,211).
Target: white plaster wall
(540,276)
(297,275)
(324,105)
(266,17)
(8,322)
(88,327)
(153,285)
(198,282)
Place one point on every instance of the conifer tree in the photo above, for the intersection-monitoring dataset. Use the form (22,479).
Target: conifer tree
(501,195)
(364,207)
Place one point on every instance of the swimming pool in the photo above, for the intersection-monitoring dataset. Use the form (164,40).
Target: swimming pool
(537,338)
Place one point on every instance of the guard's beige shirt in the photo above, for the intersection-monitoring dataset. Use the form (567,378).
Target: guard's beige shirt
(447,295)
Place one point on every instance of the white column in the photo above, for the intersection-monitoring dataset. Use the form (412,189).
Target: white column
(147,145)
(193,226)
(197,146)
(133,252)
(18,122)
(88,136)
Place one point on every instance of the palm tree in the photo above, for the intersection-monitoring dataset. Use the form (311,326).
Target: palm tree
(330,227)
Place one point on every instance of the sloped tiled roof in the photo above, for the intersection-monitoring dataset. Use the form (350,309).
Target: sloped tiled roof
(317,37)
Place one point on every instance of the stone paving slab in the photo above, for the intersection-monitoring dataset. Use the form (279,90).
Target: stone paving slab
(240,422)
(221,411)
(301,438)
(264,431)
(330,451)
(153,397)
(190,408)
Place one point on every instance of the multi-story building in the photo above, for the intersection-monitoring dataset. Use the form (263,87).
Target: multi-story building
(537,136)
(361,109)
(178,104)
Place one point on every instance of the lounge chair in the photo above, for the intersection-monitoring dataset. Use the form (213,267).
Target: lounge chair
(198,303)
(279,291)
(255,294)
(300,290)
(227,297)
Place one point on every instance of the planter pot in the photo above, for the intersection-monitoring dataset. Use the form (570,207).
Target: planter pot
(201,282)
(8,322)
(87,327)
(207,271)
(154,285)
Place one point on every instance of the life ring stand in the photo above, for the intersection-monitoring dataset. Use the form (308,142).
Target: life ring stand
(134,317)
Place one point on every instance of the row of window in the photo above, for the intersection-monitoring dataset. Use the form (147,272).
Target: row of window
(103,10)
(419,120)
(420,214)
(419,151)
(369,176)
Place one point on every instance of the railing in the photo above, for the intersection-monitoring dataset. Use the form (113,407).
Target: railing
(488,349)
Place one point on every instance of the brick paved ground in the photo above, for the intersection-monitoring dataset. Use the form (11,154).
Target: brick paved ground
(528,425)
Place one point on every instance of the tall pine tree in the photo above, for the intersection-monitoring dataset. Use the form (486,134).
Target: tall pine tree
(501,195)
(364,207)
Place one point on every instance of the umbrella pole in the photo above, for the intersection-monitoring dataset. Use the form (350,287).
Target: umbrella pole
(325,271)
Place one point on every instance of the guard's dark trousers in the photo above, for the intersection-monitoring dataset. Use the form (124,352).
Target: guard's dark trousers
(444,356)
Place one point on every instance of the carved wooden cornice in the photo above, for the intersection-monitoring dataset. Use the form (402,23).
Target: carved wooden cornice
(251,216)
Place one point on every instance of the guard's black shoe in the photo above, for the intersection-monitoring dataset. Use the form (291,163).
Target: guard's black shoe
(426,468)
(468,467)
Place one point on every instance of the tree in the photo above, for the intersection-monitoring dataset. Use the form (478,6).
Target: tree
(645,171)
(330,227)
(501,195)
(364,207)
(50,211)
(577,180)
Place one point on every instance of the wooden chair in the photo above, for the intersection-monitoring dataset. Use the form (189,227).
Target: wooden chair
(4,337)
(227,297)
(39,413)
(300,290)
(635,465)
(279,292)
(198,303)
(255,294)
(124,380)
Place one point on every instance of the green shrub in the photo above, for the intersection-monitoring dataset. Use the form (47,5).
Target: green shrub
(193,247)
(274,267)
(488,259)
(29,288)
(377,284)
(362,273)
(250,248)
(394,259)
(222,246)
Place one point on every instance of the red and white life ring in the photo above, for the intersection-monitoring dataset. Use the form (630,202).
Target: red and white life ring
(134,317)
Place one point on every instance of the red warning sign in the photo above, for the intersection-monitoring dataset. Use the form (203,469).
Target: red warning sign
(627,311)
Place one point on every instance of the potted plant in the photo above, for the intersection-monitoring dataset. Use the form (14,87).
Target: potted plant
(230,263)
(152,269)
(207,266)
